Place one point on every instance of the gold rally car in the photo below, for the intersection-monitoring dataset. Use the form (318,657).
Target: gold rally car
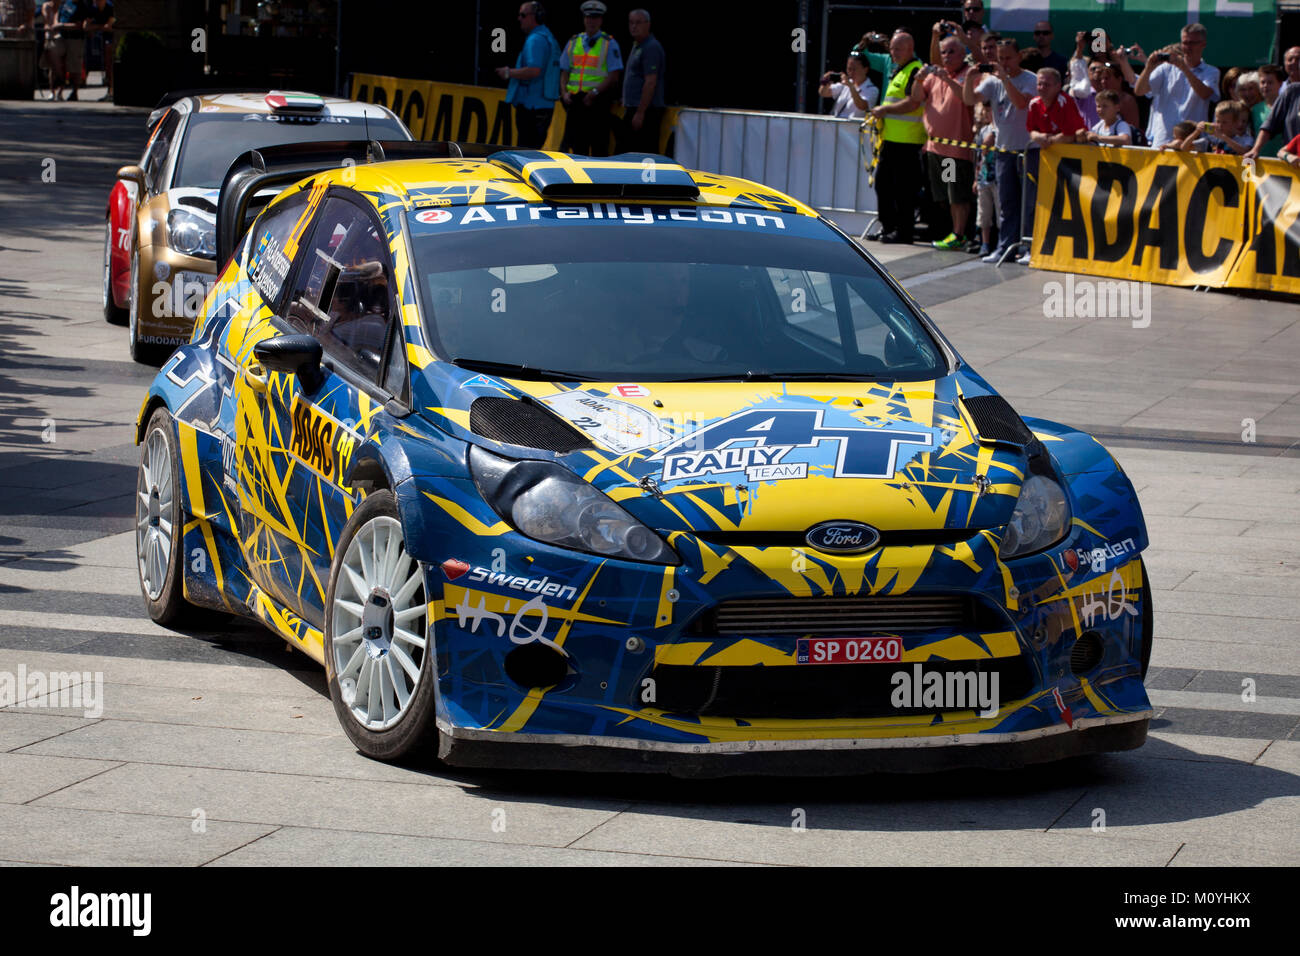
(160,222)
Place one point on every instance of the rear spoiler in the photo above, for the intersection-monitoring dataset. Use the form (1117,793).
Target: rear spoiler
(279,166)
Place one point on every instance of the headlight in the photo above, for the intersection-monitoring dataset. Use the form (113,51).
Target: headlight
(190,235)
(546,502)
(1041,518)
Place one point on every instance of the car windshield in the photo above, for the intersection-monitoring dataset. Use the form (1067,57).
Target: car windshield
(653,293)
(214,140)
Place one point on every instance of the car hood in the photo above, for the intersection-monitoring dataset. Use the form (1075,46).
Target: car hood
(744,456)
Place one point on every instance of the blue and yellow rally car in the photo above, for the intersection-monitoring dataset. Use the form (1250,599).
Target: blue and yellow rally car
(607,464)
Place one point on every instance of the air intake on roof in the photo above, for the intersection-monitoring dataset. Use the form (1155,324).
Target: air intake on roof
(996,420)
(626,176)
(523,423)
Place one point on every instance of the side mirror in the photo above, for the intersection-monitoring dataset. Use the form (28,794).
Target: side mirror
(133,174)
(296,354)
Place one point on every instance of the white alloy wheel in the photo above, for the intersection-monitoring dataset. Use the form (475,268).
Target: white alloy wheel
(155,530)
(377,625)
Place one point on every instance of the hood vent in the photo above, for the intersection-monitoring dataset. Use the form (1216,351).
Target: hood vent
(515,422)
(996,421)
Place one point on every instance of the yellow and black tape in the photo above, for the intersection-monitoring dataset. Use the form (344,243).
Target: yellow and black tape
(869,147)
(965,145)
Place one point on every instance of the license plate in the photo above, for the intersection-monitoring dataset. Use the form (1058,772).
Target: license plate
(849,650)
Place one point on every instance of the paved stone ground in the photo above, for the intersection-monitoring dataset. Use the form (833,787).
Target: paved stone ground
(230,728)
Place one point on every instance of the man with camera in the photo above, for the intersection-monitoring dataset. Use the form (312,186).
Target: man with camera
(1182,86)
(1007,89)
(951,168)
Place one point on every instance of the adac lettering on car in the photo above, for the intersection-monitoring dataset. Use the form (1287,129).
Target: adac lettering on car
(320,441)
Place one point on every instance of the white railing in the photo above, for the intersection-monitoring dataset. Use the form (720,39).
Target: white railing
(816,159)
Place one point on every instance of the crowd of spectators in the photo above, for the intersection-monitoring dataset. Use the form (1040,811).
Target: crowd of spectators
(964,124)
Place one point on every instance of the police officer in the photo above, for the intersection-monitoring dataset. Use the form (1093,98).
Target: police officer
(898,174)
(590,67)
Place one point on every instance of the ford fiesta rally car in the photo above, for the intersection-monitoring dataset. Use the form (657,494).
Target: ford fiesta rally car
(159,244)
(555,461)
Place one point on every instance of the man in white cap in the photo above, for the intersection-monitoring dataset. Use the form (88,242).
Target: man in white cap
(590,67)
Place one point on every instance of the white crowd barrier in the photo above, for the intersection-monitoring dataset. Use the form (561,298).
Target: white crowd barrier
(818,160)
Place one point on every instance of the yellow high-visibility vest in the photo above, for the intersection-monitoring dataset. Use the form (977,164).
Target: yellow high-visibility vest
(902,127)
(587,70)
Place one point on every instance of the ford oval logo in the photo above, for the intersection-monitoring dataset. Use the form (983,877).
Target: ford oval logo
(845,537)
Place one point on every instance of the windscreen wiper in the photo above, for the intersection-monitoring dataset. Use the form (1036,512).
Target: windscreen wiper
(511,370)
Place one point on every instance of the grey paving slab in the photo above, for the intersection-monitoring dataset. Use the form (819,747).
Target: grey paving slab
(1240,606)
(23,727)
(1237,803)
(224,747)
(670,830)
(74,837)
(373,806)
(301,846)
(1165,743)
(307,713)
(1225,723)
(1170,650)
(1199,852)
(1223,628)
(25,777)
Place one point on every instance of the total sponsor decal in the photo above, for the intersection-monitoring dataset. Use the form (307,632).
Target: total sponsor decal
(616,425)
(455,569)
(608,211)
(763,445)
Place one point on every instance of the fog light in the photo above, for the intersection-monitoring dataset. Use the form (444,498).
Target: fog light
(536,665)
(1086,653)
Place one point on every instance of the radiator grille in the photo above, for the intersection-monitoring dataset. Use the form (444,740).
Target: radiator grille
(795,616)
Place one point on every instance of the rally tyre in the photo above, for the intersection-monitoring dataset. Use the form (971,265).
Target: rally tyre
(160,524)
(377,658)
(112,314)
(141,352)
(1148,620)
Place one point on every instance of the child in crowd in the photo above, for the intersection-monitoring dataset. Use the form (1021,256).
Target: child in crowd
(1110,130)
(1229,133)
(988,208)
(1181,132)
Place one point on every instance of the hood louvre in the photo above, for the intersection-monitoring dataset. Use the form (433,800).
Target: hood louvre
(996,421)
(515,422)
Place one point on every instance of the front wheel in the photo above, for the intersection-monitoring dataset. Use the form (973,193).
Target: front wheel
(377,659)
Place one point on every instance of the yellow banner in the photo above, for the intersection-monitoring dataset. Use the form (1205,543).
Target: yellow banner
(1176,218)
(1172,217)
(464,113)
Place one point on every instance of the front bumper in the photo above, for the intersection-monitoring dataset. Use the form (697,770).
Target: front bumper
(619,626)
(172,289)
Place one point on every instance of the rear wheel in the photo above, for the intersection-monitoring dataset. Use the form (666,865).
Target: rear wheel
(159,525)
(377,658)
(112,314)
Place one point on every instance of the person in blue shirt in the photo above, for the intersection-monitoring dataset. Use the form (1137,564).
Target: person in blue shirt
(534,79)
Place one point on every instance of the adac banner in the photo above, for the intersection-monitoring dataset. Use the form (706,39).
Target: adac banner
(467,114)
(1177,218)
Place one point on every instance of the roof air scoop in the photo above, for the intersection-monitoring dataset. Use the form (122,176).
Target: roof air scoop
(559,176)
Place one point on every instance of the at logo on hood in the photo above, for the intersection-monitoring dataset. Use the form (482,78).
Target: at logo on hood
(770,437)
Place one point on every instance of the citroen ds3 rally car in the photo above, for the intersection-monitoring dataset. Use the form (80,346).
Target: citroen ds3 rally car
(159,254)
(607,464)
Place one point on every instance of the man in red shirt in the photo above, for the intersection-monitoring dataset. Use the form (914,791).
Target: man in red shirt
(1052,118)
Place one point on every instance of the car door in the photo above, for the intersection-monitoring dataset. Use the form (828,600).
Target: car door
(298,503)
